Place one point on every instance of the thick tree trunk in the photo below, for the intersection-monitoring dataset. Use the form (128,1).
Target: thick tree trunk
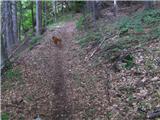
(115,8)
(8,37)
(4,54)
(14,18)
(38,17)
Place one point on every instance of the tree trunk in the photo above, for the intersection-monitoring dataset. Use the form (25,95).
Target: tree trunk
(38,17)
(115,8)
(14,18)
(32,13)
(62,8)
(45,14)
(20,20)
(94,13)
(89,6)
(8,35)
(54,10)
(4,54)
(148,4)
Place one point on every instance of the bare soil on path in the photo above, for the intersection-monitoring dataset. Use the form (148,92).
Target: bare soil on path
(43,90)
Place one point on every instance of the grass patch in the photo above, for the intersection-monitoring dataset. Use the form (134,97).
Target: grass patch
(34,40)
(80,23)
(5,116)
(12,74)
(138,22)
(88,38)
(128,60)
(134,32)
(11,78)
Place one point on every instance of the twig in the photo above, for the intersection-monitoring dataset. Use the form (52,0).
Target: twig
(154,114)
(96,49)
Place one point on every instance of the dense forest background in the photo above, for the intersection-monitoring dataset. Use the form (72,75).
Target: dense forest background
(107,68)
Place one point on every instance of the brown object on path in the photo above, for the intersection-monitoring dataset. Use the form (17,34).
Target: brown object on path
(57,41)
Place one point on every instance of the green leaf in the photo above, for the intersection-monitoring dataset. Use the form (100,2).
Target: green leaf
(5,116)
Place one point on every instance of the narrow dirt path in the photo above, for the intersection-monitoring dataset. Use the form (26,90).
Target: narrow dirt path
(62,105)
(43,90)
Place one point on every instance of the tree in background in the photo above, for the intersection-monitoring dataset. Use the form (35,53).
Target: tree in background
(14,18)
(19,18)
(115,8)
(54,10)
(45,14)
(7,25)
(38,17)
(148,4)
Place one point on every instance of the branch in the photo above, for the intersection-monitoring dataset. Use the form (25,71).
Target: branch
(154,114)
(97,48)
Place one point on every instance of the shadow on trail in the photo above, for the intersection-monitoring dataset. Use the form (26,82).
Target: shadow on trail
(62,109)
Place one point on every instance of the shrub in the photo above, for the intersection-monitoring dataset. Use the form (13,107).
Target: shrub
(80,23)
(89,37)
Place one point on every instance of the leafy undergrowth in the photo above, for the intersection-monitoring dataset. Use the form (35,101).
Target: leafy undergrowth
(35,40)
(126,68)
(60,21)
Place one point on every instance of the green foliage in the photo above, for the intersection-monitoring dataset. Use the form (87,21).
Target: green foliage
(8,65)
(128,60)
(27,16)
(65,18)
(155,32)
(12,74)
(60,21)
(34,40)
(77,6)
(123,25)
(151,16)
(10,78)
(80,22)
(89,37)
(138,21)
(5,116)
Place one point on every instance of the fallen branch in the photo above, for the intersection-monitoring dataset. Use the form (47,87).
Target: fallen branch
(154,114)
(16,49)
(98,47)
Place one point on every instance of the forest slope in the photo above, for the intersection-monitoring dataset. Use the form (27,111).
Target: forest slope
(119,82)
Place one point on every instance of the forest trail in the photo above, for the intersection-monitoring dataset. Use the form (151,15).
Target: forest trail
(44,90)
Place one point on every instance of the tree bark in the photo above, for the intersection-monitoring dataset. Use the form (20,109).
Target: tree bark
(4,54)
(148,4)
(14,18)
(54,10)
(8,35)
(45,14)
(115,8)
(20,20)
(38,17)
(62,8)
